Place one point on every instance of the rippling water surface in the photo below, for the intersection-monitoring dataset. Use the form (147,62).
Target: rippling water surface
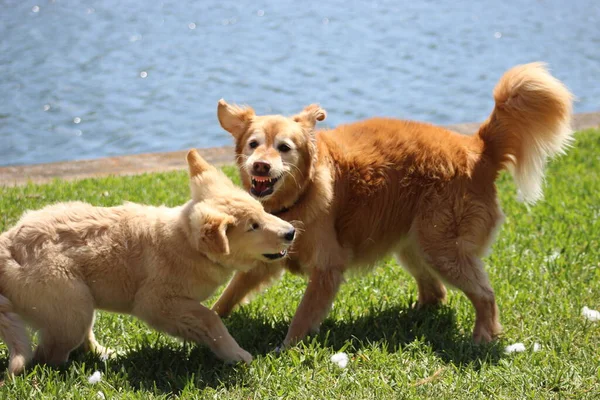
(90,79)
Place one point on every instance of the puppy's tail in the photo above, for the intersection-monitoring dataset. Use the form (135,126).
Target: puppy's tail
(14,334)
(530,123)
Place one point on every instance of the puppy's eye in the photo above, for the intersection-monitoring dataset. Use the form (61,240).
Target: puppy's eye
(254,227)
(283,148)
(253,144)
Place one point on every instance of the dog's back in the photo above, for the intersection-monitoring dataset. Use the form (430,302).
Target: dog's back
(389,171)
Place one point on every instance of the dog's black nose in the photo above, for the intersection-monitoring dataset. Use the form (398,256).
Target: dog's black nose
(261,167)
(289,236)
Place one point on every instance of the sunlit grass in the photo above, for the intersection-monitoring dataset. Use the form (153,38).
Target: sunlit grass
(545,266)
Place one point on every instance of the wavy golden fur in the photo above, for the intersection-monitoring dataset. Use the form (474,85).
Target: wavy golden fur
(380,186)
(60,263)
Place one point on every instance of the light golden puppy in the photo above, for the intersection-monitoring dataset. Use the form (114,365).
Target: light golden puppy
(380,186)
(60,263)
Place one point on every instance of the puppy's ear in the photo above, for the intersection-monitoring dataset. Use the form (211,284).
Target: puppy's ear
(234,119)
(209,229)
(310,115)
(200,181)
(196,164)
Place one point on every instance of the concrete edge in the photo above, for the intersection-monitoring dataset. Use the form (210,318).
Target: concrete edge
(163,162)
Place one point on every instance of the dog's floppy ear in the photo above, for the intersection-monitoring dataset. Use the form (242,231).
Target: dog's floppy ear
(209,229)
(310,115)
(234,119)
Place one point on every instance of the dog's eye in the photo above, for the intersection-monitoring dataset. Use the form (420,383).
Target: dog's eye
(253,144)
(255,226)
(284,148)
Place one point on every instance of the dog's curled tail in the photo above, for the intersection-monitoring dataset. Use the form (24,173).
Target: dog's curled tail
(14,334)
(531,122)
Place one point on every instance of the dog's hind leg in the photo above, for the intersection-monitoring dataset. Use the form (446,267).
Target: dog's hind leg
(453,252)
(65,325)
(58,340)
(466,273)
(431,289)
(242,284)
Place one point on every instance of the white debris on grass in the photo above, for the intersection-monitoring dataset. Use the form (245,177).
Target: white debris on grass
(515,348)
(100,395)
(537,347)
(340,359)
(95,377)
(590,315)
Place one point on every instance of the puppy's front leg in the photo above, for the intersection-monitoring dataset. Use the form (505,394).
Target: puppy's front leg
(190,320)
(323,285)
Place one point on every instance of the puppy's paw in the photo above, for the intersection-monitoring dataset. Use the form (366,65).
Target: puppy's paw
(110,354)
(239,355)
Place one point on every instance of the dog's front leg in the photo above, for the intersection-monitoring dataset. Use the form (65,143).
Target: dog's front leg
(190,320)
(242,284)
(323,285)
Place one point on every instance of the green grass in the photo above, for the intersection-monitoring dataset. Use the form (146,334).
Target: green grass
(545,266)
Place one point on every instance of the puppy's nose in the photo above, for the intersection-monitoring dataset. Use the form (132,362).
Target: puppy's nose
(289,236)
(261,167)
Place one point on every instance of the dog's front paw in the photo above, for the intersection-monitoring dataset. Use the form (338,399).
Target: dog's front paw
(222,309)
(280,349)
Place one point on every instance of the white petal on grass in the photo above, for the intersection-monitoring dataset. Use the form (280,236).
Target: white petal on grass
(537,347)
(95,377)
(100,395)
(590,315)
(515,348)
(552,257)
(340,359)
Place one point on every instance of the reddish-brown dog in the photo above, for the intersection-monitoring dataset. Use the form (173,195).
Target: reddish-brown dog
(381,186)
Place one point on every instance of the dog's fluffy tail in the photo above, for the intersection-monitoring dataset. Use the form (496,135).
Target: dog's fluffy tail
(14,334)
(530,123)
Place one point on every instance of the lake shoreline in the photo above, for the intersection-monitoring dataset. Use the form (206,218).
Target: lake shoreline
(135,164)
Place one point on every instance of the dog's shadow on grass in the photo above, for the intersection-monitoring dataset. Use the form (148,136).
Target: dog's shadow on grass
(170,367)
(398,326)
(393,327)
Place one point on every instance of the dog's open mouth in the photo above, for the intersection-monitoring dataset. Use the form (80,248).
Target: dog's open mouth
(276,256)
(262,185)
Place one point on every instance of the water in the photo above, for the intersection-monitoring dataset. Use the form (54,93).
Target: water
(82,80)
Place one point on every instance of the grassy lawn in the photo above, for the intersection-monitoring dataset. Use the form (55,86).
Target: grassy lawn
(545,266)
